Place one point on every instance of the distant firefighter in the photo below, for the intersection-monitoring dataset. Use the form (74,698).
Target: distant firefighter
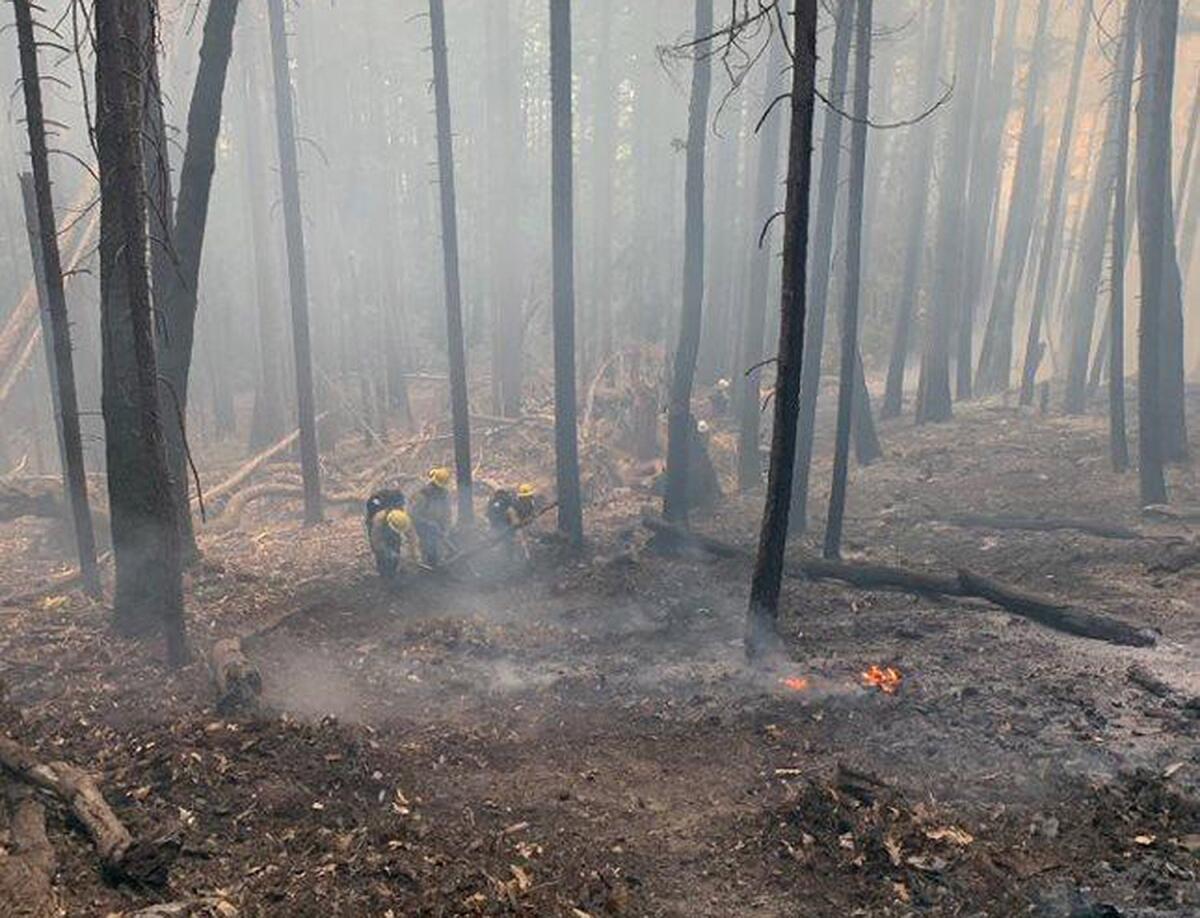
(431,514)
(509,513)
(719,398)
(390,531)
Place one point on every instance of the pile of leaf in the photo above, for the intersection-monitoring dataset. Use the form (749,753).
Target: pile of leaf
(857,843)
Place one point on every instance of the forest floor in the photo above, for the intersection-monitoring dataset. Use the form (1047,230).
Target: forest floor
(584,737)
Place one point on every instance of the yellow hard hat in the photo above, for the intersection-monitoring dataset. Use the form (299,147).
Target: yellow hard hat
(526,490)
(398,521)
(440,476)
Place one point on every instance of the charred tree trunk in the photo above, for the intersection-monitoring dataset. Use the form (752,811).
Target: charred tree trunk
(1052,234)
(933,394)
(822,251)
(1154,165)
(679,415)
(763,612)
(755,318)
(293,222)
(921,170)
(146,549)
(459,400)
(60,361)
(1118,444)
(854,233)
(566,427)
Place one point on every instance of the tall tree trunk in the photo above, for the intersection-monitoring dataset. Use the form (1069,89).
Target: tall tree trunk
(604,112)
(763,612)
(1154,165)
(679,414)
(822,251)
(60,361)
(145,532)
(755,318)
(504,132)
(933,394)
(459,399)
(1118,444)
(854,233)
(293,224)
(566,429)
(921,170)
(1052,234)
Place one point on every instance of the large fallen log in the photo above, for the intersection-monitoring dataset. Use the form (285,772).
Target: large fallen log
(1050,613)
(231,515)
(252,465)
(1056,615)
(237,680)
(121,856)
(1044,524)
(27,869)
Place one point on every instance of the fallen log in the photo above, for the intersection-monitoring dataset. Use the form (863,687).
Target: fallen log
(253,464)
(231,515)
(121,856)
(27,869)
(1056,615)
(1044,524)
(1172,514)
(1177,558)
(237,680)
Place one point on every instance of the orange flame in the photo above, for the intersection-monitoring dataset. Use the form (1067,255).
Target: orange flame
(886,679)
(796,683)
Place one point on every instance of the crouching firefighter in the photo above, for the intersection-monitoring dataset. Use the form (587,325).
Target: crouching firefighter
(508,514)
(391,532)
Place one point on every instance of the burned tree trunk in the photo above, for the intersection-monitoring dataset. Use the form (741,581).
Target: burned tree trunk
(933,394)
(921,169)
(1052,233)
(566,428)
(679,415)
(459,400)
(149,589)
(854,233)
(762,614)
(1154,176)
(1118,444)
(60,360)
(293,222)
(755,316)
(822,250)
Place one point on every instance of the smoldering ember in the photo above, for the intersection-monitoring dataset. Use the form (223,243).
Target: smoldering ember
(597,459)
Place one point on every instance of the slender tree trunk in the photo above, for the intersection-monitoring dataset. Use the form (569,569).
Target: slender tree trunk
(679,415)
(822,251)
(921,170)
(605,104)
(755,318)
(60,361)
(146,549)
(1118,444)
(1154,164)
(854,233)
(566,429)
(1187,165)
(293,223)
(763,612)
(459,399)
(1052,234)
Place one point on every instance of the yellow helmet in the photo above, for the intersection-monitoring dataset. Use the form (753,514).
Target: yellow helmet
(440,477)
(526,490)
(398,521)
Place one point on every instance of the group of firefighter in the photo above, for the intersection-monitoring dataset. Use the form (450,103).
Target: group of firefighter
(418,533)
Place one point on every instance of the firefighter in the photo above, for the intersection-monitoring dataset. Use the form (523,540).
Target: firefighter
(719,398)
(431,514)
(392,535)
(509,513)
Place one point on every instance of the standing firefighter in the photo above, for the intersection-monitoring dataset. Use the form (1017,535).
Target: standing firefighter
(390,532)
(509,513)
(431,514)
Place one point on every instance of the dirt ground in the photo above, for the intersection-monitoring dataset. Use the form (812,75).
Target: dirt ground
(584,738)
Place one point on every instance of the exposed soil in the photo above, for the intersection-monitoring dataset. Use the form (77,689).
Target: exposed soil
(584,738)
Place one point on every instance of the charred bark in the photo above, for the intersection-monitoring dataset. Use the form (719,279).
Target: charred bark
(293,222)
(679,416)
(761,617)
(566,427)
